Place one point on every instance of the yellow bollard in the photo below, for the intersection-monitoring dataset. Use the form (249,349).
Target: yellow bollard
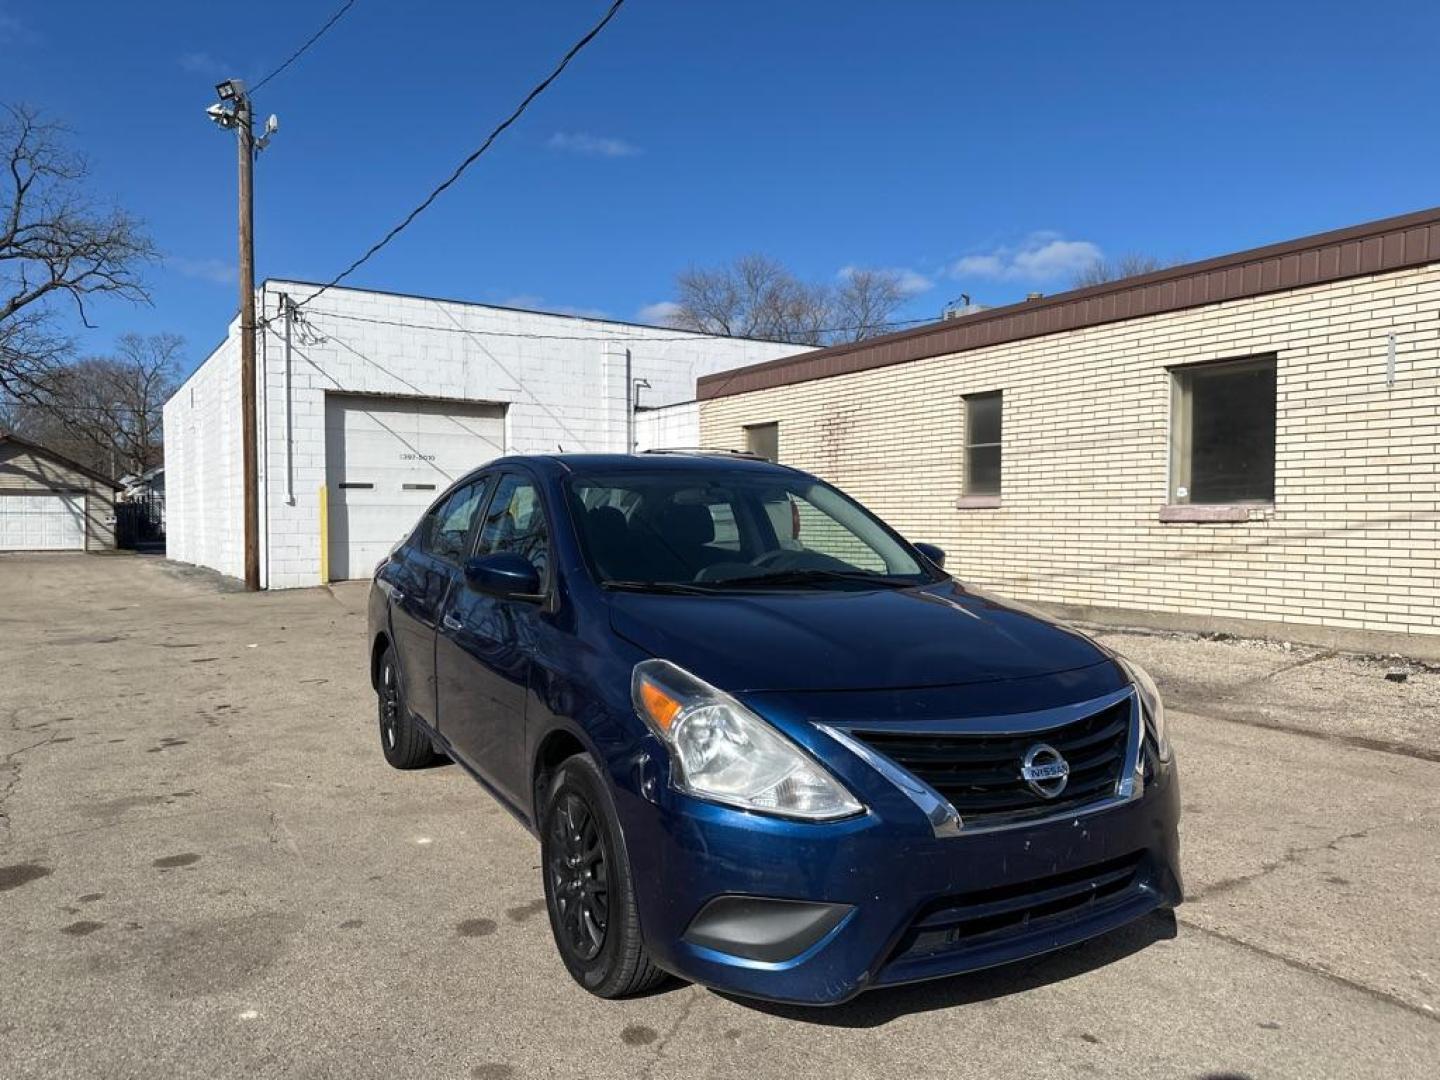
(324,535)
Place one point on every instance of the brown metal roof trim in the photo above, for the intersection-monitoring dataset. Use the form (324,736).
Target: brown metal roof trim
(1390,244)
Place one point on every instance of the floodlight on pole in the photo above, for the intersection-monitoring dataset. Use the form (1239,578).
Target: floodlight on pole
(233,111)
(222,116)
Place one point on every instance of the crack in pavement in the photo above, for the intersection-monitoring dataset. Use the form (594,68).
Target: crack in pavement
(1353,742)
(1293,856)
(1283,668)
(136,821)
(279,835)
(1308,968)
(664,1041)
(13,781)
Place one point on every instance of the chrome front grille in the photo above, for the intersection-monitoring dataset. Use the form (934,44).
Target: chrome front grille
(979,772)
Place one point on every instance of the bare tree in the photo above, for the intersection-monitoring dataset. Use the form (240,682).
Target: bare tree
(57,247)
(1132,264)
(865,301)
(105,411)
(756,296)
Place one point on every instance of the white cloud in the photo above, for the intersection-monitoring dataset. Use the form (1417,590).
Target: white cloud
(216,271)
(1041,256)
(912,282)
(979,266)
(204,63)
(659,313)
(587,145)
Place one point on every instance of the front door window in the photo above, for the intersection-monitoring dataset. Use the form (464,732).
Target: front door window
(516,522)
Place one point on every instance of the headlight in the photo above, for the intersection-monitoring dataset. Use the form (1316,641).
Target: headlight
(1151,706)
(722,751)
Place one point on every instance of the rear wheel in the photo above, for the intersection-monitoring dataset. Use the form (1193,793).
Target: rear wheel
(405,743)
(588,890)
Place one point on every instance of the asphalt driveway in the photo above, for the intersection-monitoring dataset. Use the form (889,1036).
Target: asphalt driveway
(206,869)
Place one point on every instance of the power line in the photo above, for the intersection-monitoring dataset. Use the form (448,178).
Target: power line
(539,89)
(122,413)
(301,51)
(619,334)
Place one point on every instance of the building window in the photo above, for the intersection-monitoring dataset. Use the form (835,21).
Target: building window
(763,440)
(1222,442)
(982,445)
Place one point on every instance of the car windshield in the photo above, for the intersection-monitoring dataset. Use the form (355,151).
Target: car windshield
(732,529)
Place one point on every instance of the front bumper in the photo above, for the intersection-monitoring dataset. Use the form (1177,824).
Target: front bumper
(908,905)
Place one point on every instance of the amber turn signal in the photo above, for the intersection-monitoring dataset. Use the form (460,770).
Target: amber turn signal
(661,707)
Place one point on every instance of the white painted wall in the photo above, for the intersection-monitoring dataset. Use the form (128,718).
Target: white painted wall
(205,522)
(671,427)
(561,379)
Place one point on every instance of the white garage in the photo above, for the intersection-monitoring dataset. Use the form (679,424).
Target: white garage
(42,522)
(50,503)
(387,458)
(369,403)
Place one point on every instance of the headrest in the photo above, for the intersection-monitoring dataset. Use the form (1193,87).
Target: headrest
(606,525)
(687,523)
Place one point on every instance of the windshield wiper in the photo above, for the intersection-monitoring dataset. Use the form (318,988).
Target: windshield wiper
(669,587)
(813,576)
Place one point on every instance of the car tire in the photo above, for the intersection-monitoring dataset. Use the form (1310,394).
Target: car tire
(588,886)
(405,743)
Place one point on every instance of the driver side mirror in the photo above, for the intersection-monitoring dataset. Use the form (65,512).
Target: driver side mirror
(505,574)
(935,554)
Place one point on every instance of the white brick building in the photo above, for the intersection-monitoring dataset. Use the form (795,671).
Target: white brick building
(1254,437)
(381,399)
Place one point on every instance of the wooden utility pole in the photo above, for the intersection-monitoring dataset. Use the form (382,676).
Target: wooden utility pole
(248,453)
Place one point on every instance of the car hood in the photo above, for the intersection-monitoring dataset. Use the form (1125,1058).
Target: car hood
(806,640)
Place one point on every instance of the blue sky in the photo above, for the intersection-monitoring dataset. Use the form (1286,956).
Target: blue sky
(980,147)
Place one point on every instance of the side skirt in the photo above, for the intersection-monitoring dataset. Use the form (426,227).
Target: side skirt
(443,746)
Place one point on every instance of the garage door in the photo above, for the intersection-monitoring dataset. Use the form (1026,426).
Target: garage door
(42,522)
(386,459)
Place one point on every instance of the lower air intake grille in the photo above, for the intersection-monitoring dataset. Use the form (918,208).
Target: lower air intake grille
(978,918)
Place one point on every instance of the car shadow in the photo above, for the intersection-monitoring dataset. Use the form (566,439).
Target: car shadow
(878,1007)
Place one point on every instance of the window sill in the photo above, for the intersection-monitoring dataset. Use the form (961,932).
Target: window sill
(1213,513)
(978,502)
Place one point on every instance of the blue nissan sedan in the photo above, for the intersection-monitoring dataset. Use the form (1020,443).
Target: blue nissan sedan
(766,744)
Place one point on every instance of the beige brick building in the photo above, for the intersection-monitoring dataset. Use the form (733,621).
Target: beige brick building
(1255,436)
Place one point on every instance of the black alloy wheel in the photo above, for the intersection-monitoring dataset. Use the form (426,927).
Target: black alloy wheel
(589,892)
(579,868)
(389,705)
(405,743)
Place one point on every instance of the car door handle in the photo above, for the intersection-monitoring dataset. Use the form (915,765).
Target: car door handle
(397,595)
(450,622)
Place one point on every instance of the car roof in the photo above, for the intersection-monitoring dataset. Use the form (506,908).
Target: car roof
(649,462)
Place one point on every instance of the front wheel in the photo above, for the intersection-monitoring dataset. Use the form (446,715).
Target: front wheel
(588,890)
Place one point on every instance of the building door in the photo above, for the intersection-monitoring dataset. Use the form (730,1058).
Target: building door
(386,459)
(48,522)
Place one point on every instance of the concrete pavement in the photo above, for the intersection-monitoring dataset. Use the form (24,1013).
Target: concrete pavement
(206,869)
